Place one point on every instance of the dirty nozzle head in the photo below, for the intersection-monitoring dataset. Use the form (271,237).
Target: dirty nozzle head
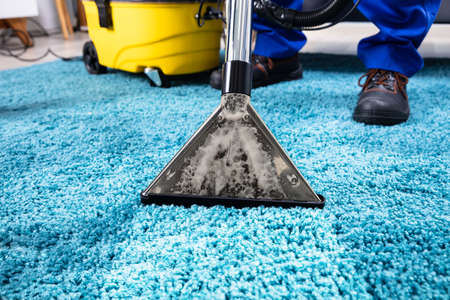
(233,156)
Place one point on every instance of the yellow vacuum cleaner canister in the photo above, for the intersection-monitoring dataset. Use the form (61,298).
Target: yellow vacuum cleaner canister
(172,37)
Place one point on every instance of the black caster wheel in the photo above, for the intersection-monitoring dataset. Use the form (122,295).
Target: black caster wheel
(157,78)
(90,59)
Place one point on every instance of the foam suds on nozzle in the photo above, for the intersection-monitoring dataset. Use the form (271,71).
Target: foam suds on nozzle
(231,163)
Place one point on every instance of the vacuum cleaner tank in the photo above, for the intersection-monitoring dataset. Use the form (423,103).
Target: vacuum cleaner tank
(165,34)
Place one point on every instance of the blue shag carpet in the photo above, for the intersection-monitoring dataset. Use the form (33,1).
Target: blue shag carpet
(76,150)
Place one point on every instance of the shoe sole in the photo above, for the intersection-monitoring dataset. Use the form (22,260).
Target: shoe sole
(379,119)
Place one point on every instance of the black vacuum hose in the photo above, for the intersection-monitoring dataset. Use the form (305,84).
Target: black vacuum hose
(303,20)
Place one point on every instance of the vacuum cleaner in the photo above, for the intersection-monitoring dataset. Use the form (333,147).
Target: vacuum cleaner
(158,38)
(234,159)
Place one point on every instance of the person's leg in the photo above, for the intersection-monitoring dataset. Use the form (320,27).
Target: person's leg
(275,55)
(403,25)
(391,56)
(276,42)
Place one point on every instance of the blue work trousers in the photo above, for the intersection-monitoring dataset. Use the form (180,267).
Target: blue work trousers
(403,25)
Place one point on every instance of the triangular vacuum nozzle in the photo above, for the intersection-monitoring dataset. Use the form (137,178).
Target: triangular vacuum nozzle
(232,160)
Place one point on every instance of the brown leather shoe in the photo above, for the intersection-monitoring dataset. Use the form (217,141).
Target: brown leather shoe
(267,71)
(383,99)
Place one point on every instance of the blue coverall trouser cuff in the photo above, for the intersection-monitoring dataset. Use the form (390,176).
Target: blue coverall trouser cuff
(403,25)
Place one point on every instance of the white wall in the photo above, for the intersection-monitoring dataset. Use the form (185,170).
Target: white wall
(18,8)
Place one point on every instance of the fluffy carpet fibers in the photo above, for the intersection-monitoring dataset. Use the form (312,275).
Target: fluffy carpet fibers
(77,149)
